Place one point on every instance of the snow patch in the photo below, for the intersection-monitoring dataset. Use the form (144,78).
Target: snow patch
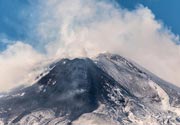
(164,98)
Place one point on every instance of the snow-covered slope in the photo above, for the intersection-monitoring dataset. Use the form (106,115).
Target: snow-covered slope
(108,90)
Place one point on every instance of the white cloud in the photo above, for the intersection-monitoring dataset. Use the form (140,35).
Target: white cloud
(18,65)
(75,28)
(86,28)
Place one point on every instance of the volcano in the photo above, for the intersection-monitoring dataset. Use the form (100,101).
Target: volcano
(106,90)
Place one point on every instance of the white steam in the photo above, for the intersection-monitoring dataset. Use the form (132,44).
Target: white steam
(18,65)
(75,28)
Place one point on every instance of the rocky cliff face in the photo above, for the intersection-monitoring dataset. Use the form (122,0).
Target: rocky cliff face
(106,90)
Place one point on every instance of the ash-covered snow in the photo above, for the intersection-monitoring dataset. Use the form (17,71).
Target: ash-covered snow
(108,90)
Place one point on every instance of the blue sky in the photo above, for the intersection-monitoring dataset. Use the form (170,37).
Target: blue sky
(12,22)
(165,10)
(14,15)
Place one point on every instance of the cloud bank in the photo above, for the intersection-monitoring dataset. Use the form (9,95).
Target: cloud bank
(79,28)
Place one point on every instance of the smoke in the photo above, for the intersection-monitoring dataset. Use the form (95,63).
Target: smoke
(85,28)
(19,65)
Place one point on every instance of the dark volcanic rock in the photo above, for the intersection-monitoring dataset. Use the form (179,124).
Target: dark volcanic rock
(78,89)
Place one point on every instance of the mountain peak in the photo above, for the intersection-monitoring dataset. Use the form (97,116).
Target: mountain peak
(85,91)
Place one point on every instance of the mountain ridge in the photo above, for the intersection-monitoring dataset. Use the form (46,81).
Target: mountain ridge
(85,91)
